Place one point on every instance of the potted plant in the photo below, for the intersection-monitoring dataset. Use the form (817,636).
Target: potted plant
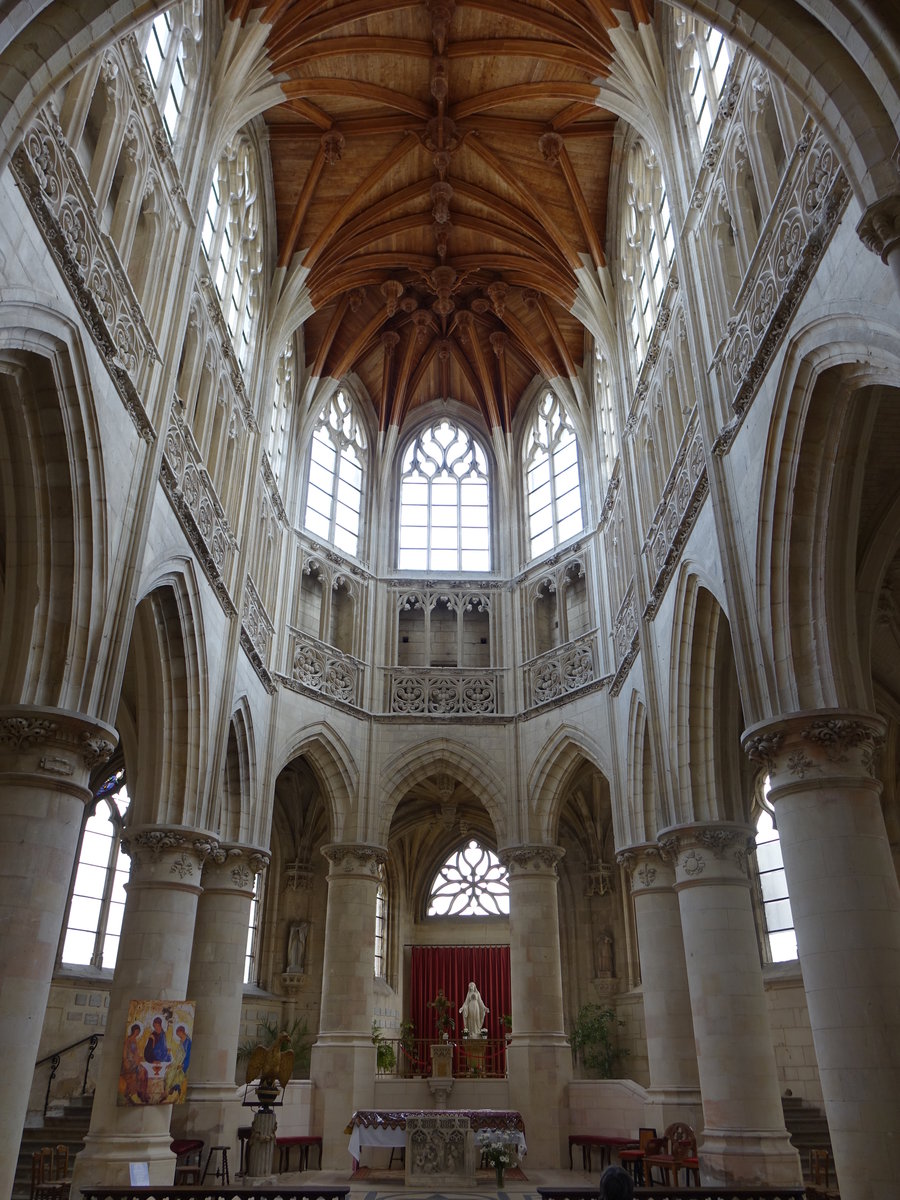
(593,1040)
(498,1153)
(385,1058)
(442,1018)
(407,1043)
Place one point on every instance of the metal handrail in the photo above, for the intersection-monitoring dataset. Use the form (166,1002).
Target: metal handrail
(55,1059)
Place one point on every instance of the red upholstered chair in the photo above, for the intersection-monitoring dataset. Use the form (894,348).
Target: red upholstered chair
(633,1159)
(676,1149)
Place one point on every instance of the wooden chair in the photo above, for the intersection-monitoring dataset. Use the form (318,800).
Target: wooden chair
(633,1159)
(49,1173)
(676,1149)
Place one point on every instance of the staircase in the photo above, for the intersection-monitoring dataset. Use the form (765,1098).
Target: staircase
(808,1130)
(64,1125)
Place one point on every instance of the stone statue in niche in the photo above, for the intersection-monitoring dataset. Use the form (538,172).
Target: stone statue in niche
(296,950)
(605,956)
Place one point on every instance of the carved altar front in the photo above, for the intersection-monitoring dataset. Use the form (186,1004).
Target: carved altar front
(440,1151)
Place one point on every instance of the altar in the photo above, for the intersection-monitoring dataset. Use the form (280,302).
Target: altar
(381,1127)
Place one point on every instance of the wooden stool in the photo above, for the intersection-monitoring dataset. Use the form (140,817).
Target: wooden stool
(819,1161)
(220,1170)
(243,1134)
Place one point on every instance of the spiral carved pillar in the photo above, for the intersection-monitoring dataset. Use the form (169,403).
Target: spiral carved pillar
(216,985)
(539,1057)
(845,901)
(744,1138)
(342,1065)
(154,956)
(674,1090)
(46,755)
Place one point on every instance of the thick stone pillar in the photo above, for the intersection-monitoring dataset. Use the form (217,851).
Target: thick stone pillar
(46,755)
(539,1057)
(153,961)
(879,230)
(672,1055)
(846,905)
(342,1064)
(216,985)
(744,1138)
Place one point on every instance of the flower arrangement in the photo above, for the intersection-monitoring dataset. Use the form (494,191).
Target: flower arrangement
(443,1020)
(497,1152)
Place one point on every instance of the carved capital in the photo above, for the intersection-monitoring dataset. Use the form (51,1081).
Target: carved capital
(355,860)
(712,853)
(879,229)
(810,748)
(169,855)
(53,741)
(531,859)
(233,868)
(648,868)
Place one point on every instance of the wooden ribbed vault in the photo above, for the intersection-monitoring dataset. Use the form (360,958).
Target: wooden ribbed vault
(441,171)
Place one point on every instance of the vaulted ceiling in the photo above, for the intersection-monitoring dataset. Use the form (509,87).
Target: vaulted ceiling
(441,171)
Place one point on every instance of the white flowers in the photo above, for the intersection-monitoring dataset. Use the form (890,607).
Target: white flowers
(496,1151)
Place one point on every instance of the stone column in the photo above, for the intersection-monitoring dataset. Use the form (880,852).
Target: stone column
(674,1080)
(216,985)
(539,1057)
(744,1138)
(46,755)
(879,230)
(846,905)
(342,1065)
(154,955)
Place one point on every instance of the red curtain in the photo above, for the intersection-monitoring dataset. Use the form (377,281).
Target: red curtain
(453,968)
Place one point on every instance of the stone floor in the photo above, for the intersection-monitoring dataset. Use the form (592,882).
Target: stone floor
(389,1184)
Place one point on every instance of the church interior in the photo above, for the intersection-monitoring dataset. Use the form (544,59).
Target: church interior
(449,536)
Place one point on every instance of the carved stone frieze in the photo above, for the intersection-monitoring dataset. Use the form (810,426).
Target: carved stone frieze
(563,670)
(52,181)
(626,639)
(797,232)
(257,631)
(444,692)
(198,508)
(324,669)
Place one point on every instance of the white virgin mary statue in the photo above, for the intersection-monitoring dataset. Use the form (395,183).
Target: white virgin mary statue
(473,1012)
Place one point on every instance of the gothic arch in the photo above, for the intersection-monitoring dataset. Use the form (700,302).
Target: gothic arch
(234,800)
(814,634)
(639,815)
(558,759)
(334,768)
(52,515)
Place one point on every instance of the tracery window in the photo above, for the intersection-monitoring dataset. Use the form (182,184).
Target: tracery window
(649,245)
(380,915)
(336,474)
(231,242)
(706,55)
(444,502)
(552,477)
(471,883)
(606,413)
(97,899)
(773,890)
(250,969)
(281,406)
(166,61)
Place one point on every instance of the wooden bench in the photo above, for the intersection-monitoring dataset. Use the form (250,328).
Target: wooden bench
(305,1142)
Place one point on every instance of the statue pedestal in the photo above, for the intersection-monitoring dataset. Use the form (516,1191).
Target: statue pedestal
(440,1090)
(261,1147)
(440,1152)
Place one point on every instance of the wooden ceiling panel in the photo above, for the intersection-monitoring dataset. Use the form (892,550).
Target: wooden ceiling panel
(441,169)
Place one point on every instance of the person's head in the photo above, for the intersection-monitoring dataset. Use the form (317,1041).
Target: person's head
(616,1184)
(157,1024)
(135,1029)
(181,1032)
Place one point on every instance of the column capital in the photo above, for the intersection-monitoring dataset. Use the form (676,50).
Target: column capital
(355,860)
(879,227)
(168,855)
(53,741)
(810,748)
(531,858)
(649,869)
(232,867)
(708,853)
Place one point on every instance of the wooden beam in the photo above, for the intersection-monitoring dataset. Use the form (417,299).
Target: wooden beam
(353,89)
(293,57)
(581,208)
(524,93)
(300,26)
(337,319)
(301,207)
(545,51)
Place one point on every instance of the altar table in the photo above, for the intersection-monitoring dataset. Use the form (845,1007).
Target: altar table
(382,1127)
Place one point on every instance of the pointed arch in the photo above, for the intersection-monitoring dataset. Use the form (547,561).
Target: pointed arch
(564,753)
(234,819)
(641,814)
(333,765)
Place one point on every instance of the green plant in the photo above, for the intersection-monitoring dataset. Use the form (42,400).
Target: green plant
(442,1019)
(593,1039)
(268,1031)
(385,1058)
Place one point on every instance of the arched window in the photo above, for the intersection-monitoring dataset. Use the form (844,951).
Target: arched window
(606,413)
(380,926)
(97,899)
(781,941)
(232,244)
(552,479)
(649,245)
(706,56)
(281,406)
(444,502)
(250,966)
(165,58)
(471,883)
(334,485)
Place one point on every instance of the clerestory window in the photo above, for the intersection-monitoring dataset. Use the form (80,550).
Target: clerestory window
(336,475)
(649,245)
(781,940)
(166,61)
(552,477)
(471,883)
(444,502)
(706,56)
(97,899)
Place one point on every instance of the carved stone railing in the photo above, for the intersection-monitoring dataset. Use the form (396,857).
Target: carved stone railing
(323,669)
(55,188)
(256,634)
(626,639)
(676,514)
(810,201)
(444,692)
(562,670)
(190,490)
